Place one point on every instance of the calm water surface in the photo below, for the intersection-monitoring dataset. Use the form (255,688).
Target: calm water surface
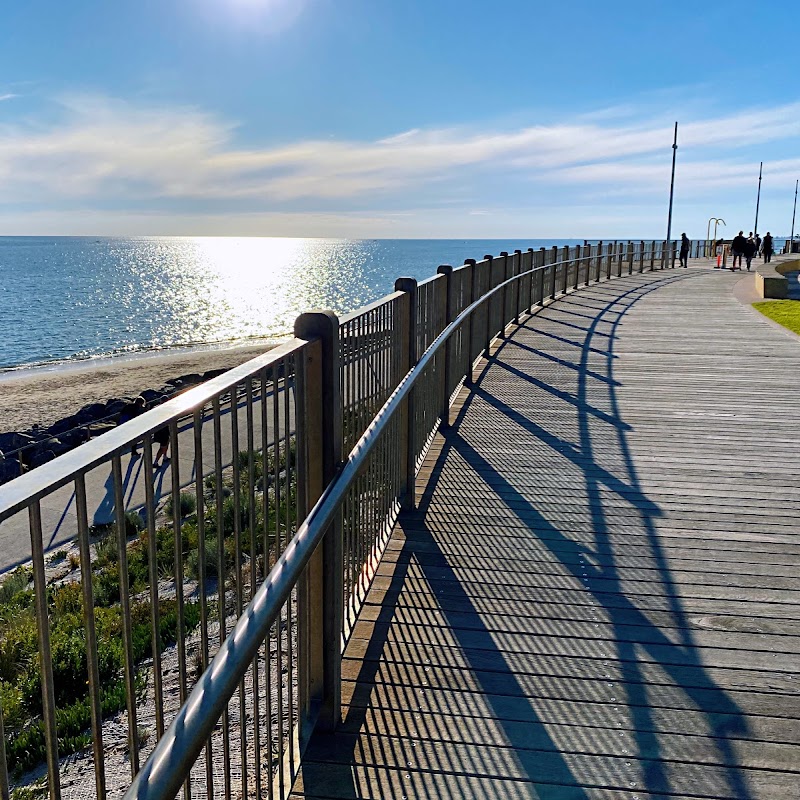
(73,298)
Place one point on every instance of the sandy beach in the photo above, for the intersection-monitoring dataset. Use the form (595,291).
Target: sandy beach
(43,395)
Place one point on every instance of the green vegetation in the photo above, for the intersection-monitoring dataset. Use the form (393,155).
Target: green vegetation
(20,680)
(784,312)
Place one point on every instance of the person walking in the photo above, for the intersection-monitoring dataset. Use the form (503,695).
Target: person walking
(750,250)
(758,244)
(767,248)
(737,248)
(161,436)
(686,247)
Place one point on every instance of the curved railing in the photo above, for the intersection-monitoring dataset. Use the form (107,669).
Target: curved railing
(178,750)
(266,576)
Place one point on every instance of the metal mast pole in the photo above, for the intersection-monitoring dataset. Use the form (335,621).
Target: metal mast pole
(791,238)
(671,190)
(758,198)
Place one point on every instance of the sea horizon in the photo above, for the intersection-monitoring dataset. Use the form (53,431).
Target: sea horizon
(98,297)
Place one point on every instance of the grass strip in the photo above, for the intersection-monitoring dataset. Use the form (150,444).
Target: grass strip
(784,312)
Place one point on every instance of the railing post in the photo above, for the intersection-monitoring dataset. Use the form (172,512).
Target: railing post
(447,312)
(630,257)
(553,270)
(578,265)
(620,258)
(409,360)
(610,259)
(674,253)
(473,278)
(322,597)
(543,260)
(641,256)
(599,264)
(516,269)
(532,266)
(501,334)
(487,336)
(565,277)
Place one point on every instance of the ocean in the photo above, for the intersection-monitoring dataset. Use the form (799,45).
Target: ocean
(71,298)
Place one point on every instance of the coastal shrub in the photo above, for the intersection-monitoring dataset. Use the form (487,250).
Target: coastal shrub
(15,583)
(133,523)
(105,550)
(20,689)
(66,599)
(187,505)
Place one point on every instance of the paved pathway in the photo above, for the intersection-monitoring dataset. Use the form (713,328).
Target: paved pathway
(59,522)
(599,596)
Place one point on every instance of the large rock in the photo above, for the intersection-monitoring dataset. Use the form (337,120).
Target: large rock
(91,412)
(14,441)
(153,396)
(99,428)
(9,469)
(40,457)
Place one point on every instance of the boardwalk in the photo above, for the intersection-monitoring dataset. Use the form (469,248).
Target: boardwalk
(599,594)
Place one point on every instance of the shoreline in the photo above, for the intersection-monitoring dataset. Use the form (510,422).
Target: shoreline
(44,394)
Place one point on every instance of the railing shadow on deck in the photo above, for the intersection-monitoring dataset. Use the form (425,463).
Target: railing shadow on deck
(537,755)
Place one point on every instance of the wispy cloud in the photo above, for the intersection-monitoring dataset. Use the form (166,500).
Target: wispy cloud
(7,96)
(103,150)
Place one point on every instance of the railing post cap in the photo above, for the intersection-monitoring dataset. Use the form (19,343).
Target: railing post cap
(530,249)
(488,257)
(504,253)
(317,322)
(470,262)
(518,251)
(444,269)
(405,284)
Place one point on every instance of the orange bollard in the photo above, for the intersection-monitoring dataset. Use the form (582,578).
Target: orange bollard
(719,261)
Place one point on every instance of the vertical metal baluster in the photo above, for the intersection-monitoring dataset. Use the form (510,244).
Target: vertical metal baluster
(152,563)
(92,667)
(251,507)
(197,427)
(237,567)
(177,529)
(221,590)
(46,659)
(288,472)
(125,608)
(267,550)
(278,550)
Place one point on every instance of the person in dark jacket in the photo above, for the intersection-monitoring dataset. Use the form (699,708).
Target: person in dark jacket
(737,248)
(750,250)
(161,436)
(767,248)
(686,247)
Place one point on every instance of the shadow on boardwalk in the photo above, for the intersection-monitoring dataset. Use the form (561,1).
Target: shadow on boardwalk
(600,458)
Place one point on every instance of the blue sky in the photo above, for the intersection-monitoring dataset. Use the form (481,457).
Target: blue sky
(382,118)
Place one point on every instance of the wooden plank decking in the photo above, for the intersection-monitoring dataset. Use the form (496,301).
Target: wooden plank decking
(599,594)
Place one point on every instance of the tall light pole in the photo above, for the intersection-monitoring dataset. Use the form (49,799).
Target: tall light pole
(758,198)
(791,238)
(671,189)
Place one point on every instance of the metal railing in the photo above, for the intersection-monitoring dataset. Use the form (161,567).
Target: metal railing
(238,604)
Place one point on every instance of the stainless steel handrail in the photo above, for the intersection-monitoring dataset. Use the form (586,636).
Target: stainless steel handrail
(170,763)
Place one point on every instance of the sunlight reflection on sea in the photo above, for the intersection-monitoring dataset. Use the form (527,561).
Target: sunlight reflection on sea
(79,297)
